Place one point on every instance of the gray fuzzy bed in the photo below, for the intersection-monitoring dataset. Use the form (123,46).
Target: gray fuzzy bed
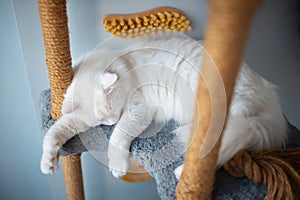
(226,187)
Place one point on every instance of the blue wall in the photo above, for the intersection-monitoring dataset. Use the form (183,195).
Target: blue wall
(20,140)
(273,51)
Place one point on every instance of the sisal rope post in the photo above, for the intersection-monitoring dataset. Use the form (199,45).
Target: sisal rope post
(54,23)
(226,33)
(73,176)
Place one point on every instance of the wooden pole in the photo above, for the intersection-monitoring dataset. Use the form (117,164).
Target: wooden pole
(225,38)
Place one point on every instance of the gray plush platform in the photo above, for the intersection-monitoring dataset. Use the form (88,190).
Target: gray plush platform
(226,187)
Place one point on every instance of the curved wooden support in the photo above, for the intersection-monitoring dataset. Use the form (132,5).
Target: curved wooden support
(228,25)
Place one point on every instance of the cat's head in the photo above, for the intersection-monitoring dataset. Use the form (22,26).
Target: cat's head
(89,100)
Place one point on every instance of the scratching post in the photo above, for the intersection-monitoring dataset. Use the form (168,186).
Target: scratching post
(73,176)
(228,25)
(54,22)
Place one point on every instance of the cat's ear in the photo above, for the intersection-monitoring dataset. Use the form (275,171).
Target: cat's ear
(68,106)
(108,80)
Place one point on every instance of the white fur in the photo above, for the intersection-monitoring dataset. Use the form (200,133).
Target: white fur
(144,84)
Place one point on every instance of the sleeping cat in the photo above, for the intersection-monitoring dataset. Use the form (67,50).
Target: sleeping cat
(157,81)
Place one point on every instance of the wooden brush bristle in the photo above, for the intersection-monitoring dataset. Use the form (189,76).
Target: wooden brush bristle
(148,22)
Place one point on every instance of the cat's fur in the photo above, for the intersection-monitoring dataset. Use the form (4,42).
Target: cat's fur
(158,81)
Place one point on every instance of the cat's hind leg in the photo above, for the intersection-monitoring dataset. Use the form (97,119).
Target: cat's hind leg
(178,171)
(183,135)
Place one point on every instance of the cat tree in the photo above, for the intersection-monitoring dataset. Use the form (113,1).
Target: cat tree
(226,33)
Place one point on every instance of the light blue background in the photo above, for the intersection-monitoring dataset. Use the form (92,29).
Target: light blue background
(273,51)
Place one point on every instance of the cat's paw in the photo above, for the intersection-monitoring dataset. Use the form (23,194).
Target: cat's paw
(118,161)
(178,171)
(49,161)
(116,173)
(118,166)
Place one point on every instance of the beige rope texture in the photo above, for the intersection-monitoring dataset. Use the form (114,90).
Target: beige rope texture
(73,176)
(54,22)
(225,38)
(278,169)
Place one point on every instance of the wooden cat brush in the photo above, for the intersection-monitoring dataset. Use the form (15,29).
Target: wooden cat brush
(147,22)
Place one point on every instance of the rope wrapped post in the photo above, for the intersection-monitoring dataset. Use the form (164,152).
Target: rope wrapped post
(225,38)
(54,22)
(73,176)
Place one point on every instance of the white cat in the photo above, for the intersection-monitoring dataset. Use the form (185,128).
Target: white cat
(157,81)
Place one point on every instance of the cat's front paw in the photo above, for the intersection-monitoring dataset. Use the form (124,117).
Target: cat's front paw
(116,172)
(49,161)
(118,161)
